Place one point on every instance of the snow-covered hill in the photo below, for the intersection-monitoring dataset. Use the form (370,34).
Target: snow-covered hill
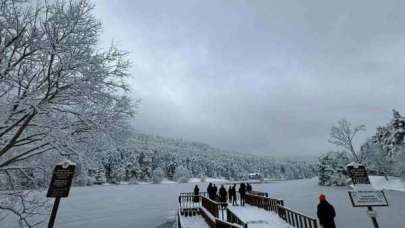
(143,157)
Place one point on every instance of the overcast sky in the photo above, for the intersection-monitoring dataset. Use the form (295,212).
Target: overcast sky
(263,77)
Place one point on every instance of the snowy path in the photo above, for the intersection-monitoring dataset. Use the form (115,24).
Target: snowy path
(258,218)
(193,222)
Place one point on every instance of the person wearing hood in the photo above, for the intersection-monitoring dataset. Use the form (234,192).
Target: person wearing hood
(196,197)
(326,213)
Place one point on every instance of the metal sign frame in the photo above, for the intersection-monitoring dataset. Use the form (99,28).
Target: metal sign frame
(374,205)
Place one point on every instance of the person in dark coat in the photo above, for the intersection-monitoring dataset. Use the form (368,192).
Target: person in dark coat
(242,192)
(209,191)
(326,213)
(214,192)
(233,193)
(229,194)
(196,197)
(222,195)
(248,187)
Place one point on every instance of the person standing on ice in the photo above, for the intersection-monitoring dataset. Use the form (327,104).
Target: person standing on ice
(326,213)
(233,195)
(196,194)
(242,192)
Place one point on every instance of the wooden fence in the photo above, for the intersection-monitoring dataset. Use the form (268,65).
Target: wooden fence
(267,203)
(259,193)
(232,218)
(212,206)
(296,219)
(292,217)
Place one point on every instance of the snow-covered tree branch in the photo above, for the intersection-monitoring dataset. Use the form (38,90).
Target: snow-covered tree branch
(343,134)
(57,89)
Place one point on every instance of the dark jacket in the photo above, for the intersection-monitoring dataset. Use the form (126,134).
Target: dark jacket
(222,194)
(196,190)
(196,193)
(242,189)
(210,191)
(248,187)
(326,215)
(214,191)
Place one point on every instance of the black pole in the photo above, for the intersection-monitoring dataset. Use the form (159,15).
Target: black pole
(54,211)
(373,218)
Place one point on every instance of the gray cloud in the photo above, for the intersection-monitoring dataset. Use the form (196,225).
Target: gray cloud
(264,77)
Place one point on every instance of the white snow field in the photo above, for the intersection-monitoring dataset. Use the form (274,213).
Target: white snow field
(144,206)
(393,183)
(258,218)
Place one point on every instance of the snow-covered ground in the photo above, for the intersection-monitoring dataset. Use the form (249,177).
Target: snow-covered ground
(393,183)
(193,222)
(144,206)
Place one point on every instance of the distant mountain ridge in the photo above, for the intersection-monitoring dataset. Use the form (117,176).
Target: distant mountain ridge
(199,159)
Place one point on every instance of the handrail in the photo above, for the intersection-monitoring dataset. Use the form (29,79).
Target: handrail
(189,202)
(259,193)
(267,203)
(233,218)
(211,205)
(295,218)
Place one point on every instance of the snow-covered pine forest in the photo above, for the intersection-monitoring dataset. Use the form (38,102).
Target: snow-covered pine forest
(146,157)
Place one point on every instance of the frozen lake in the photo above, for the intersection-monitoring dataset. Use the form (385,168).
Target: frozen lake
(143,206)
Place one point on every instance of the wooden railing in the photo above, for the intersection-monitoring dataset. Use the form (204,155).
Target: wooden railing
(214,222)
(292,217)
(259,193)
(232,218)
(210,205)
(296,219)
(267,203)
(189,200)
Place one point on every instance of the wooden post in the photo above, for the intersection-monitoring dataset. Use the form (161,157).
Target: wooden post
(53,213)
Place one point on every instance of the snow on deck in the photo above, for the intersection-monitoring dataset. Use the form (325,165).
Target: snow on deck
(193,222)
(258,218)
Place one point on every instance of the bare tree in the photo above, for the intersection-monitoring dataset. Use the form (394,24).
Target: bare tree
(343,134)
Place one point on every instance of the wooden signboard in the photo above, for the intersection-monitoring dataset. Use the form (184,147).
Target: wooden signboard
(60,186)
(358,174)
(61,181)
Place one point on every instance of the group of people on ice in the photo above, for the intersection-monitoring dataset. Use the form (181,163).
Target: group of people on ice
(222,195)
